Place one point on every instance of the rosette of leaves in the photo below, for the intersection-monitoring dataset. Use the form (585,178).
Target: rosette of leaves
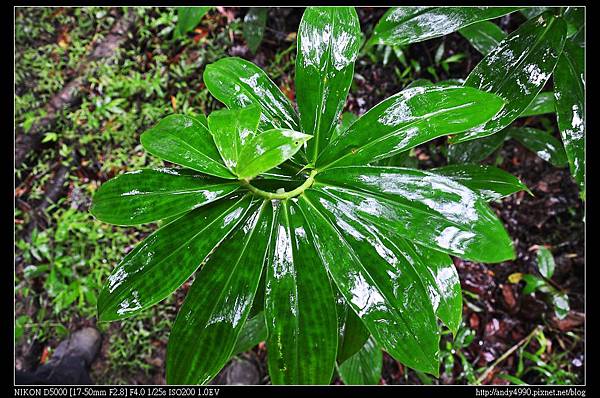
(292,234)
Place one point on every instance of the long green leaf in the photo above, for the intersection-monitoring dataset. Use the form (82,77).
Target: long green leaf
(253,332)
(364,367)
(167,258)
(484,36)
(542,143)
(208,324)
(383,289)
(353,333)
(476,150)
(426,208)
(188,18)
(185,141)
(569,90)
(255,21)
(267,150)
(407,119)
(328,43)
(238,83)
(517,70)
(299,306)
(232,129)
(543,103)
(491,183)
(405,25)
(545,262)
(148,195)
(440,277)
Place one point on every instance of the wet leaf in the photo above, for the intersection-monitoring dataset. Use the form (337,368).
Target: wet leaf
(517,70)
(185,141)
(255,21)
(253,332)
(364,367)
(299,306)
(405,25)
(541,143)
(545,262)
(484,36)
(148,195)
(232,130)
(476,150)
(353,333)
(532,283)
(569,90)
(491,183)
(148,273)
(328,43)
(380,287)
(218,303)
(407,119)
(238,83)
(188,18)
(268,150)
(542,104)
(434,211)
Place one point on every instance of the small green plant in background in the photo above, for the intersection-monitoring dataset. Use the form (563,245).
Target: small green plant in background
(533,283)
(294,226)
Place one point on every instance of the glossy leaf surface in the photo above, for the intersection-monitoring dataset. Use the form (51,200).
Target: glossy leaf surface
(532,283)
(431,210)
(569,89)
(517,70)
(216,307)
(328,43)
(346,121)
(188,18)
(238,83)
(353,333)
(440,277)
(476,150)
(484,36)
(255,21)
(148,195)
(167,258)
(541,143)
(405,25)
(299,306)
(185,141)
(380,286)
(253,332)
(364,367)
(491,183)
(543,103)
(232,129)
(267,150)
(407,119)
(545,262)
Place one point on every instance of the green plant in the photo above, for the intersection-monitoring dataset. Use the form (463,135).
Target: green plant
(187,19)
(558,298)
(295,228)
(550,43)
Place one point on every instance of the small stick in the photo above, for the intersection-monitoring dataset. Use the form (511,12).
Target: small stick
(507,354)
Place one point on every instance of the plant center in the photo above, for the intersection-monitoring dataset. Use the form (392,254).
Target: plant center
(281,195)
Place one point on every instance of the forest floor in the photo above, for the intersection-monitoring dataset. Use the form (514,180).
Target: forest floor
(63,255)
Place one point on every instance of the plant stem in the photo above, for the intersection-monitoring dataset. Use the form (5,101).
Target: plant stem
(282,196)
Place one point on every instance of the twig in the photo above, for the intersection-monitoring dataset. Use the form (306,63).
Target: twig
(507,354)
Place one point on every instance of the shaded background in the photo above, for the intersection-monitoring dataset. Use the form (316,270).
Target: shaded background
(89,81)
